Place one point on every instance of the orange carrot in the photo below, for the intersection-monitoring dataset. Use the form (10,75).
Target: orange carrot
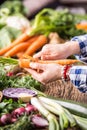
(25,63)
(36,45)
(24,37)
(61,62)
(82,26)
(20,54)
(20,47)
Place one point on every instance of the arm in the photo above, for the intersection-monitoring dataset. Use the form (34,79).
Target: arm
(77,45)
(78,76)
(82,41)
(52,72)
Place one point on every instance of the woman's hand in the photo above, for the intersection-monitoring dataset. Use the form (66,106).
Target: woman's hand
(45,73)
(58,51)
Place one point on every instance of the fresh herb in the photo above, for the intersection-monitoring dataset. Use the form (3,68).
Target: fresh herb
(62,22)
(23,123)
(8,105)
(8,79)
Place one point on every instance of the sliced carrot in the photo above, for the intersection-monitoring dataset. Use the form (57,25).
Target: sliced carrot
(20,47)
(24,37)
(25,63)
(36,45)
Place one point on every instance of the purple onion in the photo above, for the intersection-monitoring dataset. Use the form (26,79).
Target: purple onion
(39,121)
(15,92)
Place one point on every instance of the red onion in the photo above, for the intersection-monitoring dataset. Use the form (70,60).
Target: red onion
(39,121)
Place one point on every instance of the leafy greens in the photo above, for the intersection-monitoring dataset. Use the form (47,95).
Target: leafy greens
(62,22)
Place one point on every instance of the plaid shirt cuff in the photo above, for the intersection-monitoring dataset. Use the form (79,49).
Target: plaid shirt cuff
(82,40)
(78,76)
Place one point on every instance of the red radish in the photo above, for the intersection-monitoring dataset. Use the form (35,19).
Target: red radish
(18,112)
(9,74)
(13,120)
(5,119)
(39,121)
(29,108)
(0,122)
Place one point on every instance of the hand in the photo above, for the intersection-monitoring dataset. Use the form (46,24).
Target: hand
(58,51)
(47,72)
(52,52)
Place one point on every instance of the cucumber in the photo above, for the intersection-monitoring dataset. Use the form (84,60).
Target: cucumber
(75,108)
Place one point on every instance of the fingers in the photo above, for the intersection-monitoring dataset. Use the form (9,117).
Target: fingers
(38,55)
(45,51)
(35,75)
(37,66)
(49,57)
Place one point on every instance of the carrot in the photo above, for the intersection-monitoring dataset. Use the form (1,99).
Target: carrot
(20,47)
(36,45)
(20,54)
(25,63)
(24,37)
(61,62)
(82,26)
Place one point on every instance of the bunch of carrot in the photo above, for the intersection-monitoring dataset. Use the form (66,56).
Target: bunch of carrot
(25,44)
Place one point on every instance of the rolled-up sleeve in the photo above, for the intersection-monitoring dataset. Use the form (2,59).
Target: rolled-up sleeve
(82,40)
(78,76)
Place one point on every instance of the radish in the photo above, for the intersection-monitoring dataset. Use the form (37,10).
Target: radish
(5,119)
(18,112)
(13,120)
(29,108)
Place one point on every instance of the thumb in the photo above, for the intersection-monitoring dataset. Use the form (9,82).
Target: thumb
(38,55)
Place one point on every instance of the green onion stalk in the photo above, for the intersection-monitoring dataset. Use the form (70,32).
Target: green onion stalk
(81,122)
(64,116)
(53,123)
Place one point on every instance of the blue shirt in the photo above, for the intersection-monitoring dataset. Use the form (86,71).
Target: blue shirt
(78,74)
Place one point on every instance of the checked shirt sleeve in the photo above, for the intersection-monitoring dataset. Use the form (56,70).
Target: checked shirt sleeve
(82,40)
(78,76)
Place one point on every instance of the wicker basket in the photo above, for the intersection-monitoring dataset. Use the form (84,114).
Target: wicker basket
(65,90)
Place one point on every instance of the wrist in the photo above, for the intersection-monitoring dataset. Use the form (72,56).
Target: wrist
(72,48)
(65,72)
